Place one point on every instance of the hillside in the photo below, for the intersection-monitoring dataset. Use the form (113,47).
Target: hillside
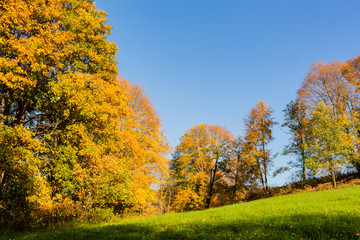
(330,214)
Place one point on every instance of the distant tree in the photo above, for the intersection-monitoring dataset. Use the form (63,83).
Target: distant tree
(195,166)
(258,135)
(351,72)
(238,170)
(326,83)
(165,197)
(148,163)
(297,122)
(329,141)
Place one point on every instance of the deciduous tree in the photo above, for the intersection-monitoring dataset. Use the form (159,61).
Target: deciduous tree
(238,170)
(297,122)
(326,83)
(329,141)
(195,166)
(100,138)
(258,135)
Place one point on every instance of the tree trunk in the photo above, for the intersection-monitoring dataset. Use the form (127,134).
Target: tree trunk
(234,192)
(21,113)
(212,181)
(2,179)
(333,177)
(265,168)
(236,178)
(261,175)
(303,172)
(260,171)
(265,177)
(303,165)
(169,200)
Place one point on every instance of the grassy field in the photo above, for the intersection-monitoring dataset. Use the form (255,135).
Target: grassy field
(332,214)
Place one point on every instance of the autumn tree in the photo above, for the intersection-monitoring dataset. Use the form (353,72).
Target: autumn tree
(195,167)
(44,44)
(93,140)
(326,83)
(238,170)
(148,161)
(329,141)
(258,135)
(189,169)
(297,122)
(221,150)
(351,72)
(20,179)
(234,167)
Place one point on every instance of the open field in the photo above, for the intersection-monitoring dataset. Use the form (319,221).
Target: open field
(332,214)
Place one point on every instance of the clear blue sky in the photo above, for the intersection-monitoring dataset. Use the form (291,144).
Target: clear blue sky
(207,61)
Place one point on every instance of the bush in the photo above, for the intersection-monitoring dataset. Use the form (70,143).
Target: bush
(97,215)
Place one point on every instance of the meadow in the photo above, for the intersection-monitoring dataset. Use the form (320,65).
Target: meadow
(330,214)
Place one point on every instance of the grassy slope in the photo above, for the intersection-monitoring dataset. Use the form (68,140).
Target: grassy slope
(333,214)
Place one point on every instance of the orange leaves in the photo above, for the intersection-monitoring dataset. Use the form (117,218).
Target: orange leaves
(196,162)
(27,40)
(107,111)
(146,146)
(186,200)
(259,125)
(258,135)
(326,83)
(19,171)
(351,71)
(101,137)
(330,102)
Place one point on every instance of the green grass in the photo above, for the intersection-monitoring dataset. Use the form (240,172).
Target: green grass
(332,214)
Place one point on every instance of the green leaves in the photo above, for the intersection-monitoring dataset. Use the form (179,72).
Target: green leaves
(328,138)
(101,142)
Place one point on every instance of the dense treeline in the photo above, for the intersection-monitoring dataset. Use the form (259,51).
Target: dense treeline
(76,140)
(323,122)
(74,137)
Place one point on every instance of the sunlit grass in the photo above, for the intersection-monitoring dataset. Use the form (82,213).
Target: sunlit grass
(332,214)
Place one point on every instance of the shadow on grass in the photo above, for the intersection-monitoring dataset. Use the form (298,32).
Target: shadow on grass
(287,227)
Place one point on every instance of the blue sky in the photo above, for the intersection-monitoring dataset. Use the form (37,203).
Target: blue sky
(207,61)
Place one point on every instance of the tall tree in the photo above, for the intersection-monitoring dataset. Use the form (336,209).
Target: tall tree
(149,164)
(100,138)
(326,83)
(221,141)
(351,72)
(42,45)
(297,122)
(258,135)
